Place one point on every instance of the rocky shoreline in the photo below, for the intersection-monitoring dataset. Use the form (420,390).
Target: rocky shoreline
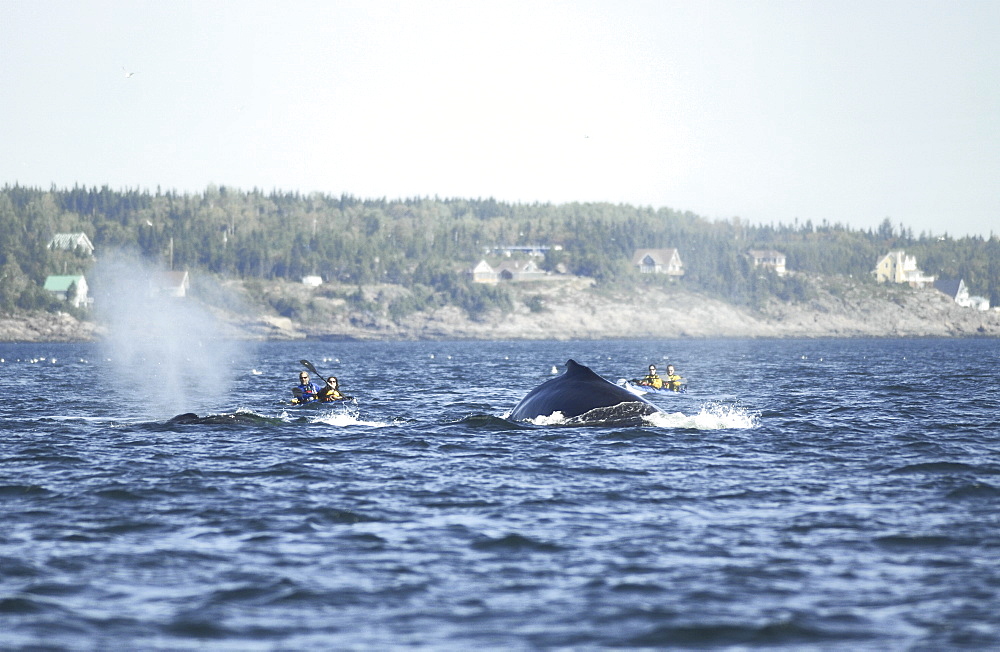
(571,311)
(37,326)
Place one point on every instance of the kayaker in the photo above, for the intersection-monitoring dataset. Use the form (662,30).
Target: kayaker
(673,382)
(651,379)
(305,391)
(331,392)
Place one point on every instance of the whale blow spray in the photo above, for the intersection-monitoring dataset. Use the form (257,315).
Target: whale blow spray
(166,352)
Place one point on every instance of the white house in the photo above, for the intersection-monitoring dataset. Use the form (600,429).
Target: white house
(72,242)
(519,270)
(483,272)
(957,291)
(658,261)
(312,281)
(72,288)
(768,259)
(172,284)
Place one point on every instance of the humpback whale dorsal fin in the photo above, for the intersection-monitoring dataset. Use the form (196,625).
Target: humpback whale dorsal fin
(574,368)
(577,392)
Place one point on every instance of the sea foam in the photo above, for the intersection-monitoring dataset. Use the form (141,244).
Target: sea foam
(711,416)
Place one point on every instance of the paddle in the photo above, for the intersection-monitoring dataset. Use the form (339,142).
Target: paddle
(308,365)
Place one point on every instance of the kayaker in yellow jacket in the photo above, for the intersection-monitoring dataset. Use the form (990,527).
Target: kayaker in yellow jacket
(651,379)
(331,392)
(673,382)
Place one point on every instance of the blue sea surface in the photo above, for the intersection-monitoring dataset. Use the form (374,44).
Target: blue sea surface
(802,495)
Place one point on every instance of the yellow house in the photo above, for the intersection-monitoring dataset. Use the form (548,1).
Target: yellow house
(897,267)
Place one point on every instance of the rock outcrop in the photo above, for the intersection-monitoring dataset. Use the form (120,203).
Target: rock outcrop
(37,326)
(577,310)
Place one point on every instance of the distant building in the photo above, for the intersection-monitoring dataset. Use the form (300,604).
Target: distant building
(72,288)
(979,303)
(172,284)
(957,291)
(72,242)
(519,271)
(312,281)
(483,272)
(510,271)
(897,267)
(768,259)
(658,261)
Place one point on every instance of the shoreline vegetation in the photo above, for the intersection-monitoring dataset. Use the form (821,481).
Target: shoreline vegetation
(576,309)
(286,266)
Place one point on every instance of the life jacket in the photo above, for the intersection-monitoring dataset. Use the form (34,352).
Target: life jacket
(674,382)
(652,380)
(306,393)
(328,396)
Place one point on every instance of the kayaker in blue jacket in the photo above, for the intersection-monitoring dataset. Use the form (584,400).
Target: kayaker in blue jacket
(305,391)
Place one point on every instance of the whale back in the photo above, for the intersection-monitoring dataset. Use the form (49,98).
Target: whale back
(574,393)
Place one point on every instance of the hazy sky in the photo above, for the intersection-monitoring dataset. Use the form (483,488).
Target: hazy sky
(843,111)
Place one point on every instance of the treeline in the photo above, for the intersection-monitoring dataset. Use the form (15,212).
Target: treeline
(426,244)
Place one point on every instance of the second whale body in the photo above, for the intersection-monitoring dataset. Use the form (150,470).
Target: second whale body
(582,396)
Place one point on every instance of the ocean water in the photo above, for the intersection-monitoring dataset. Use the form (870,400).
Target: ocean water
(802,495)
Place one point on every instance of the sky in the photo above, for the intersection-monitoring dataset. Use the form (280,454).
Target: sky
(774,111)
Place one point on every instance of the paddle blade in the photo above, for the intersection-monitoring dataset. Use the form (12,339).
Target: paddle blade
(308,365)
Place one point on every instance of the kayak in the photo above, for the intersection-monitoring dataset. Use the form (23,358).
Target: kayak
(639,390)
(320,404)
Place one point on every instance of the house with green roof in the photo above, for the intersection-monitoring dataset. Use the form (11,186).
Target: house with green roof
(72,288)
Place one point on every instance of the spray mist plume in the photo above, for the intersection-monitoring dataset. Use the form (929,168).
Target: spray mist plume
(166,352)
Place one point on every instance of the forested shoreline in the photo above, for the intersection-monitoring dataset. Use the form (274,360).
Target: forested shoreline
(427,245)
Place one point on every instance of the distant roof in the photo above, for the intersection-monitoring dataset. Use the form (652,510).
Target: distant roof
(173,279)
(659,256)
(517,266)
(482,266)
(61,283)
(949,286)
(71,241)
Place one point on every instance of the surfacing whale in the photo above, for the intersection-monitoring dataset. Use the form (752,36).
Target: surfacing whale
(583,397)
(225,418)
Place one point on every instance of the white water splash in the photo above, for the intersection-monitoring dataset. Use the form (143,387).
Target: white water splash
(554,419)
(635,389)
(340,418)
(712,416)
